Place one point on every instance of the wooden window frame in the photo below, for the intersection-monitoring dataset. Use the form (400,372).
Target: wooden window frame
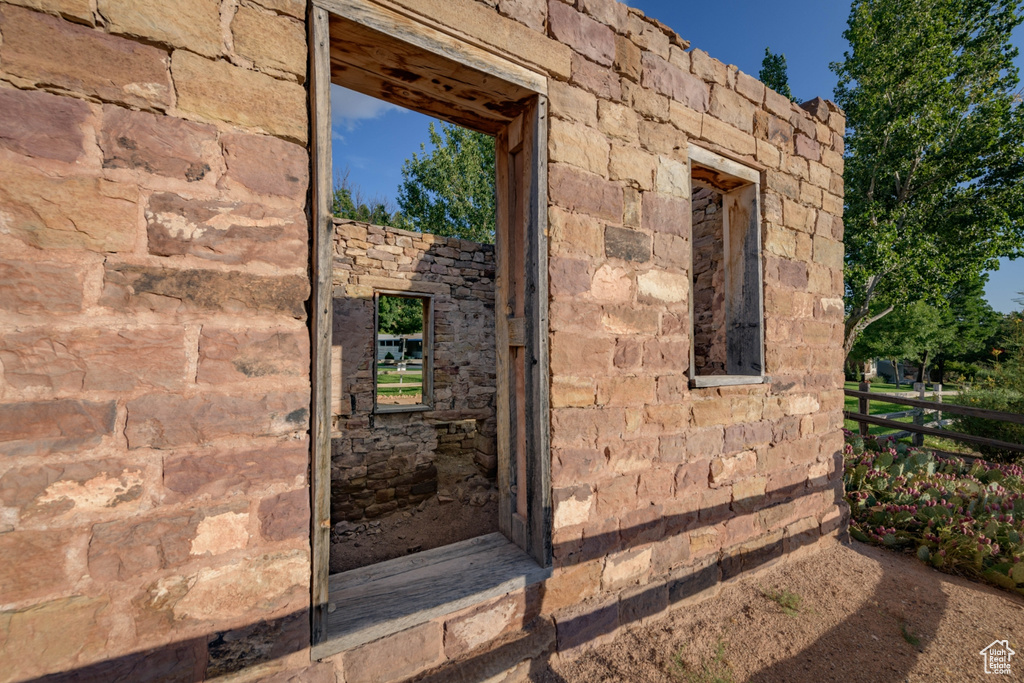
(519,124)
(428,351)
(740,187)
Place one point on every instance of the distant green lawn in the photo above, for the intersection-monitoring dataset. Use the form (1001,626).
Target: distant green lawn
(391,377)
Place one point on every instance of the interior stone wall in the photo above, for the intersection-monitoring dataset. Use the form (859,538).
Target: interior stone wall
(382,462)
(708,283)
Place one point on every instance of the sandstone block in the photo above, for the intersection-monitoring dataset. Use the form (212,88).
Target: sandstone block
(83,60)
(777,104)
(663,287)
(52,490)
(235,355)
(125,550)
(611,283)
(571,585)
(570,354)
(67,630)
(478,626)
(669,80)
(228,232)
(597,79)
(79,9)
(168,420)
(584,35)
(162,145)
(807,148)
(707,68)
(724,470)
(750,87)
(94,359)
(661,138)
(573,104)
(572,506)
(610,12)
(76,212)
(573,233)
(671,251)
(578,146)
(617,121)
(215,472)
(584,192)
(587,624)
(191,24)
(630,319)
(625,244)
(634,166)
(33,286)
(285,516)
(532,13)
(627,58)
(293,8)
(672,178)
(666,214)
(270,40)
(218,90)
(165,290)
(649,103)
(397,656)
(572,392)
(732,108)
(274,581)
(36,565)
(43,427)
(568,277)
(727,136)
(38,124)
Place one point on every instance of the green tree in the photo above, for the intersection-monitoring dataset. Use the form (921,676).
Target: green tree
(399,315)
(774,73)
(972,323)
(935,150)
(915,333)
(450,190)
(348,202)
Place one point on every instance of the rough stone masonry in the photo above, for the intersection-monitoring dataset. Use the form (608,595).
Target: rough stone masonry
(155,389)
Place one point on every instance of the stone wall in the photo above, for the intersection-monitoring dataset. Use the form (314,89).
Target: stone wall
(154,391)
(384,462)
(155,395)
(709,348)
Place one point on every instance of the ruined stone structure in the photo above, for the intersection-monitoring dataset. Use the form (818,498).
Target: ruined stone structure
(383,462)
(158,436)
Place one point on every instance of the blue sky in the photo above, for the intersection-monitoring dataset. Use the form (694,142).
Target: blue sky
(373,138)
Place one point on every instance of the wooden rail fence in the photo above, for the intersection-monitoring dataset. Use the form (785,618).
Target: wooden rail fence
(922,408)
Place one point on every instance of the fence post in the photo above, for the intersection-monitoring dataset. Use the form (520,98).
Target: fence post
(918,439)
(937,392)
(863,406)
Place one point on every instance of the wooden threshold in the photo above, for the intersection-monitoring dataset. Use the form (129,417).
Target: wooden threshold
(372,602)
(726,380)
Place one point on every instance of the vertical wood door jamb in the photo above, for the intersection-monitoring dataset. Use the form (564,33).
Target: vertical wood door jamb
(320,316)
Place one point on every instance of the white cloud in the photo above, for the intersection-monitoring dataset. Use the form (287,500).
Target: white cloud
(349,107)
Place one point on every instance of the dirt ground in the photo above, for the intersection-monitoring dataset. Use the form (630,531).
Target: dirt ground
(465,506)
(857,613)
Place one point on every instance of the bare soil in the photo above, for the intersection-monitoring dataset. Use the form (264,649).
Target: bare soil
(465,506)
(861,614)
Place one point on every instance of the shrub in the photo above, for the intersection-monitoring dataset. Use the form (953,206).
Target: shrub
(389,356)
(963,518)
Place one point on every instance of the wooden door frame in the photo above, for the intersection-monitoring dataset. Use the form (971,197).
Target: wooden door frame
(525,134)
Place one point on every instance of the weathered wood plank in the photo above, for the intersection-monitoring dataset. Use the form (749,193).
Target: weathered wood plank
(320,318)
(998,415)
(945,434)
(501,333)
(538,417)
(410,592)
(435,42)
(701,381)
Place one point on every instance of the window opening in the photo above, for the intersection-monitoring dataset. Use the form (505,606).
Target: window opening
(727,341)
(403,372)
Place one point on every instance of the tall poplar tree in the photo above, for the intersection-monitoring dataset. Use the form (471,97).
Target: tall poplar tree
(775,74)
(935,150)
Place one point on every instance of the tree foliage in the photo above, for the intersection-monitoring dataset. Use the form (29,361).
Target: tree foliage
(399,315)
(450,190)
(774,73)
(348,202)
(935,150)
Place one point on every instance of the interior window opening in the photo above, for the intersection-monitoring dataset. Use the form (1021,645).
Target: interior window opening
(727,344)
(413,441)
